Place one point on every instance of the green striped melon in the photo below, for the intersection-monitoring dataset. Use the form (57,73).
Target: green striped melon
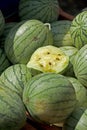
(48,59)
(71,52)
(12,110)
(15,77)
(77,120)
(4,62)
(80,65)
(25,38)
(80,90)
(45,11)
(7,28)
(78,30)
(61,33)
(49,98)
(2,23)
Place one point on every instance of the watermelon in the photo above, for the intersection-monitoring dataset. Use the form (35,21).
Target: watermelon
(12,110)
(71,52)
(77,120)
(4,62)
(80,65)
(49,98)
(61,33)
(78,30)
(25,38)
(7,28)
(45,11)
(15,77)
(81,92)
(2,23)
(49,59)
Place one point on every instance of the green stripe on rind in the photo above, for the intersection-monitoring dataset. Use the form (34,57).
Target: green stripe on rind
(15,77)
(78,30)
(4,62)
(46,11)
(77,120)
(2,23)
(49,96)
(80,65)
(12,110)
(80,91)
(25,40)
(7,28)
(61,33)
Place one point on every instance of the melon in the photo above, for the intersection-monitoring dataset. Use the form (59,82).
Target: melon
(49,98)
(45,11)
(49,59)
(25,38)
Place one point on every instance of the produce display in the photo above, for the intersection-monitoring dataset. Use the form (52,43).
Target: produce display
(43,68)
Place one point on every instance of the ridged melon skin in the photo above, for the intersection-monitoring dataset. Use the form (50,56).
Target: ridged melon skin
(45,11)
(15,77)
(80,90)
(7,28)
(49,98)
(25,38)
(2,23)
(78,30)
(77,120)
(4,62)
(61,33)
(12,110)
(71,52)
(80,65)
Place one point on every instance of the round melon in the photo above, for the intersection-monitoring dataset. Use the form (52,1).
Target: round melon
(2,23)
(49,98)
(45,11)
(4,62)
(80,65)
(25,38)
(12,110)
(77,120)
(49,59)
(61,33)
(78,30)
(15,77)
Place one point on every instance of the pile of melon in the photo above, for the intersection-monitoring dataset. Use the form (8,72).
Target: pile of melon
(43,68)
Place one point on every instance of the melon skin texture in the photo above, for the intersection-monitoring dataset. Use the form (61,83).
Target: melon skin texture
(81,92)
(80,65)
(7,28)
(45,11)
(61,33)
(49,59)
(4,62)
(71,52)
(2,23)
(78,30)
(25,38)
(15,77)
(12,110)
(49,98)
(77,120)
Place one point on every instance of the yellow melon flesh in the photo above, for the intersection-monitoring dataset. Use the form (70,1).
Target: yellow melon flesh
(49,59)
